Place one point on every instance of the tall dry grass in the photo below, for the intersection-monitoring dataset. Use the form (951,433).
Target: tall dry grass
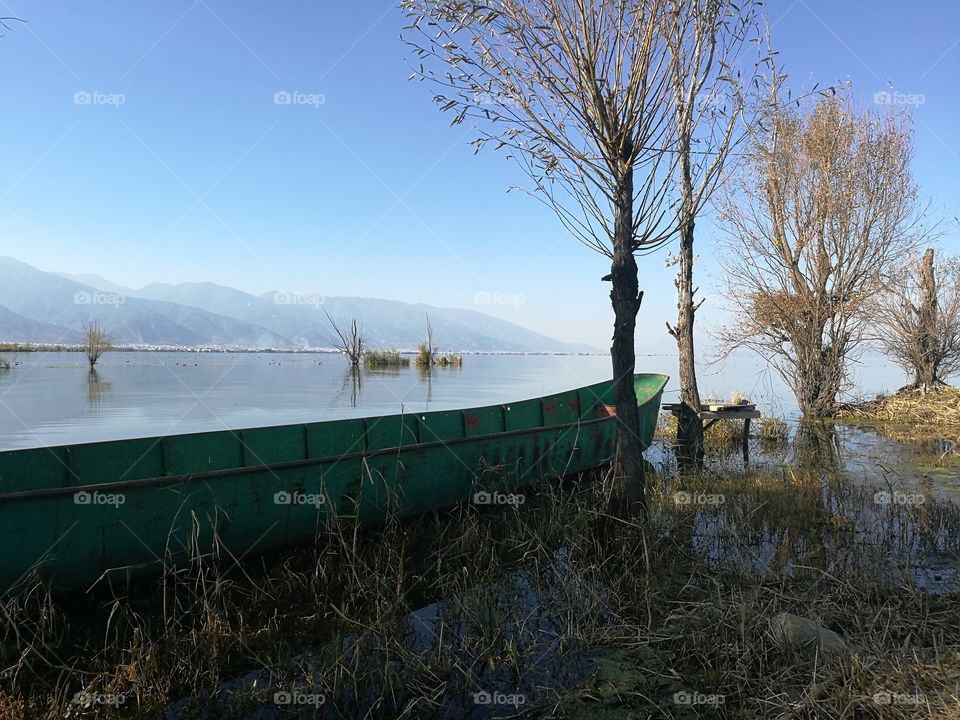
(580,613)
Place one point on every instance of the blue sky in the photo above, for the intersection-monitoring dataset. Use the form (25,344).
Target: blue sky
(359,186)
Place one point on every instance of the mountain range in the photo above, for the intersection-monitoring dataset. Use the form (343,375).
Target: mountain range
(47,307)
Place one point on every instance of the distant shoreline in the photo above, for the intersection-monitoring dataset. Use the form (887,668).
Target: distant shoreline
(42,347)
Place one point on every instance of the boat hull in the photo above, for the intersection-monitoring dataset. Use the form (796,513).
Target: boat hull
(73,515)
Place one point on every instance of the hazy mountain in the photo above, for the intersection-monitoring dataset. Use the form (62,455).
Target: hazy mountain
(386,323)
(209,314)
(17,328)
(96,281)
(300,325)
(55,300)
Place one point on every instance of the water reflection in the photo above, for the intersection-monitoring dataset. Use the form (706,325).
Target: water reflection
(817,445)
(354,379)
(97,390)
(425,374)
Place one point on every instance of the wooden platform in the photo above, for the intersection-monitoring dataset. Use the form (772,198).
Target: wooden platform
(713,412)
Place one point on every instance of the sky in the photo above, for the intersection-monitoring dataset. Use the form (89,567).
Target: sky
(150,142)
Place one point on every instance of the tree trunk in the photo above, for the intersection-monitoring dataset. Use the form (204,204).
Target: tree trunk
(689,426)
(625,297)
(927,366)
(818,376)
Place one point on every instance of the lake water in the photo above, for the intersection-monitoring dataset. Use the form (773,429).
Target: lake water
(50,398)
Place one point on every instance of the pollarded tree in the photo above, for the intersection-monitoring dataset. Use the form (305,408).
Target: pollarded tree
(823,209)
(579,93)
(916,320)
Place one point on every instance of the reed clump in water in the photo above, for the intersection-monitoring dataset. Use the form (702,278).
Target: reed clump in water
(772,430)
(912,417)
(940,408)
(450,360)
(384,358)
(550,599)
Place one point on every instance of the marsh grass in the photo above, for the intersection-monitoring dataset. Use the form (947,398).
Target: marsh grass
(909,416)
(384,358)
(452,360)
(583,614)
(772,430)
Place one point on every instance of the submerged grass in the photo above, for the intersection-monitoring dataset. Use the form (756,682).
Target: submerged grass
(546,608)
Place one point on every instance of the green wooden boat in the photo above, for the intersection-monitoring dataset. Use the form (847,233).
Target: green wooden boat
(74,515)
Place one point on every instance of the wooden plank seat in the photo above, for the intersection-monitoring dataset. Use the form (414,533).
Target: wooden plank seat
(714,412)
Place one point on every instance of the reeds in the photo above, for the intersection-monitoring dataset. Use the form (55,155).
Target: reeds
(449,360)
(428,355)
(772,430)
(939,407)
(384,358)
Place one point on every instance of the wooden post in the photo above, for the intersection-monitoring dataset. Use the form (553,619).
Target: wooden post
(746,441)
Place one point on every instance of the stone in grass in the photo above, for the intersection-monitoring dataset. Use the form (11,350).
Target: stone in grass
(794,631)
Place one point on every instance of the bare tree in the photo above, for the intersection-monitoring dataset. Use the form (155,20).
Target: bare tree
(579,94)
(96,341)
(823,208)
(705,39)
(351,341)
(916,320)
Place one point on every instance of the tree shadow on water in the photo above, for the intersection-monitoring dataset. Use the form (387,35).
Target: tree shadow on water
(816,445)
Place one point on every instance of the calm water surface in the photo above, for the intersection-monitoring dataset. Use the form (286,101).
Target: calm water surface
(50,398)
